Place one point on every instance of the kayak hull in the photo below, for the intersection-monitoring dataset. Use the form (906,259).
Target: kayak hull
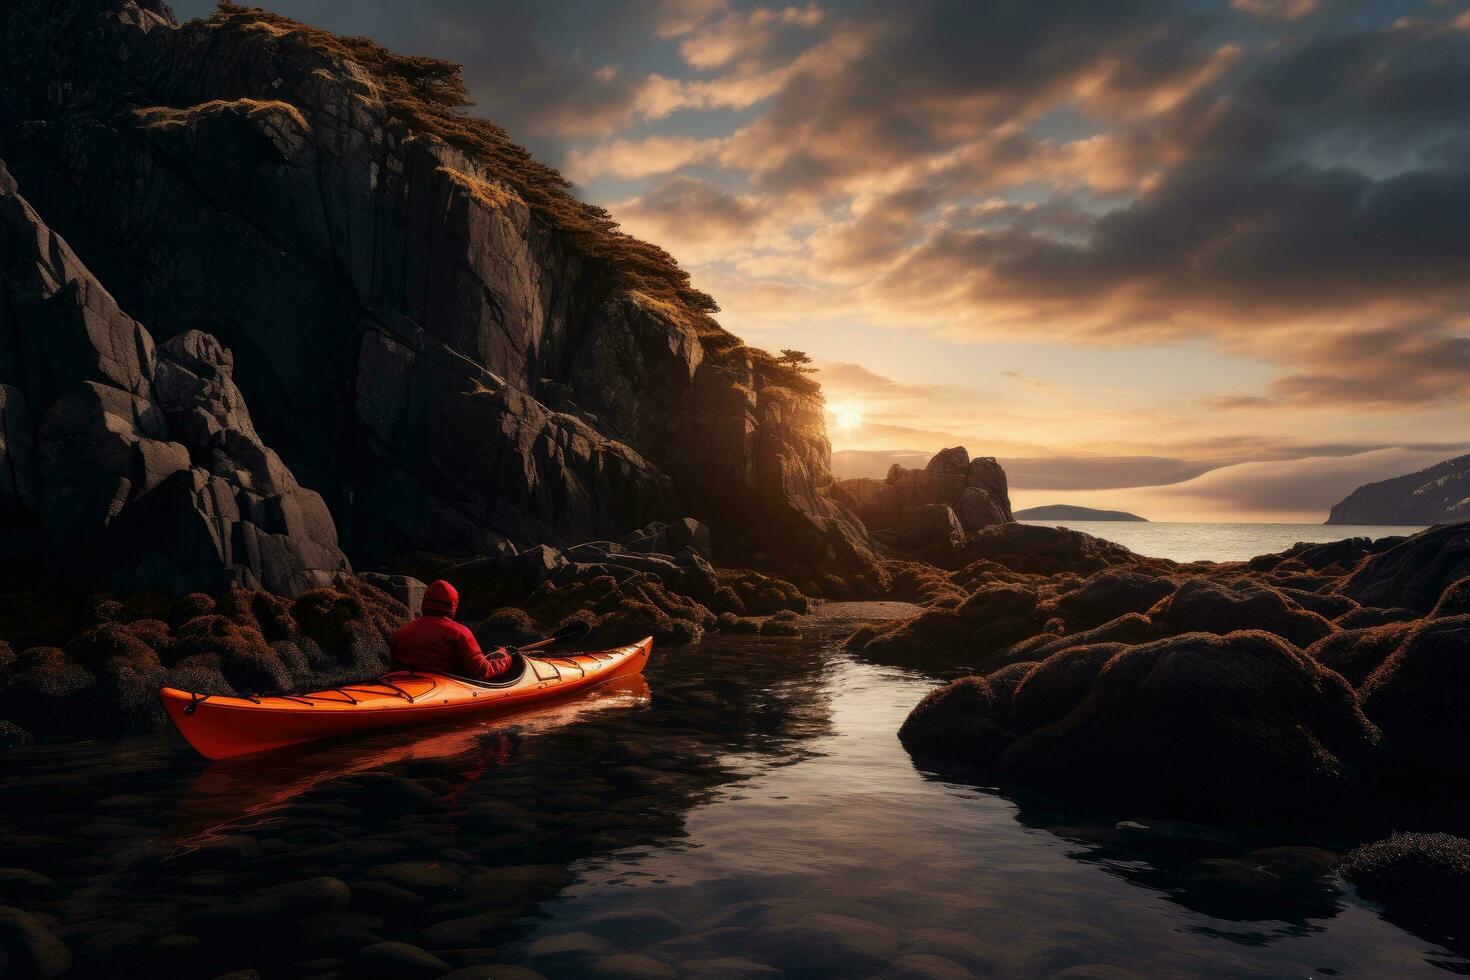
(225,727)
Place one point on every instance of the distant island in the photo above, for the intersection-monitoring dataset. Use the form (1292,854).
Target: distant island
(1437,495)
(1067,512)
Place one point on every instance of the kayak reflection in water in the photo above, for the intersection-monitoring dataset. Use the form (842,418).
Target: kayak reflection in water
(436,644)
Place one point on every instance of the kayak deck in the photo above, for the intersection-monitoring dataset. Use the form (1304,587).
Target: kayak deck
(221,727)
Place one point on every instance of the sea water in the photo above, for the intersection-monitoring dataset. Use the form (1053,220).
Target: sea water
(1221,542)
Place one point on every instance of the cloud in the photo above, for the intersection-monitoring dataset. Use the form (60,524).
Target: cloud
(1278,9)
(629,159)
(737,35)
(1297,490)
(664,215)
(1020,378)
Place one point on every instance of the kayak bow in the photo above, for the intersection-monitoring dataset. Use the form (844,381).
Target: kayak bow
(222,727)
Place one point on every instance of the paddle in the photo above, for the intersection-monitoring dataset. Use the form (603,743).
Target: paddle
(574,630)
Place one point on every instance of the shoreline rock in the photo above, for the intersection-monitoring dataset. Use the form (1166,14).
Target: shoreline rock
(1243,692)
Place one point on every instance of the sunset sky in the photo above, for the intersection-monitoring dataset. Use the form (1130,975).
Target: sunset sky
(1217,250)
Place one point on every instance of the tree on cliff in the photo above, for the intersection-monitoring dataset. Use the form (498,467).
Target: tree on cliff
(797,361)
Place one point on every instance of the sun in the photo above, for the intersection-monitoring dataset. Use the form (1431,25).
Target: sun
(846,417)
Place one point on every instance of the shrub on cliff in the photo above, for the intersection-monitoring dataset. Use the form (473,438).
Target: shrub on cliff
(427,96)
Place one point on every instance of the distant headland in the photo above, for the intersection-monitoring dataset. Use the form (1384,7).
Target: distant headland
(1068,512)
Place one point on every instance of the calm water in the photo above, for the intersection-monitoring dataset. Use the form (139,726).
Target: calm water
(1221,542)
(748,814)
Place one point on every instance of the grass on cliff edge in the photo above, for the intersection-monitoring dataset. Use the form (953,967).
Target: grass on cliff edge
(427,96)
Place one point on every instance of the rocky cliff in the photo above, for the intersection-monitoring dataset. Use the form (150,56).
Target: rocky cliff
(129,465)
(454,353)
(1438,495)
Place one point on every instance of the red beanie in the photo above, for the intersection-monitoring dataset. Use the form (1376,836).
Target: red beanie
(440,599)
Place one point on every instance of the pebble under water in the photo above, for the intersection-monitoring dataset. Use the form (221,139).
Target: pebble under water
(748,813)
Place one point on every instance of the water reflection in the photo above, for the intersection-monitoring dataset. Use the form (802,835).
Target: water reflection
(751,816)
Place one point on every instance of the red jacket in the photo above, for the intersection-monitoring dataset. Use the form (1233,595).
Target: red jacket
(437,644)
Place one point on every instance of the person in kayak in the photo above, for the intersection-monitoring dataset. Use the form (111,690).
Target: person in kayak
(435,643)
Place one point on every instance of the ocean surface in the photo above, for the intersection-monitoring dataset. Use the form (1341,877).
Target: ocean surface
(1221,542)
(748,813)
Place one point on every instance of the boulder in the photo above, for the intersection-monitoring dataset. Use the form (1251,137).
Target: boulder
(404,588)
(1049,550)
(1202,605)
(1415,572)
(959,721)
(1357,653)
(928,525)
(1418,696)
(1110,593)
(1418,877)
(28,948)
(1240,728)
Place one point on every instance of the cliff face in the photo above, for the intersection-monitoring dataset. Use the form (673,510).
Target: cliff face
(1438,495)
(456,354)
(126,464)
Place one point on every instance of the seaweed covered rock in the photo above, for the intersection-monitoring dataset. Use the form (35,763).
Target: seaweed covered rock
(1420,878)
(1415,572)
(1043,550)
(622,612)
(1453,601)
(1418,697)
(960,721)
(1357,653)
(1201,605)
(1111,593)
(103,673)
(941,640)
(1239,728)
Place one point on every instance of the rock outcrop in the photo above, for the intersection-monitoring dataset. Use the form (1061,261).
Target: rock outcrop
(908,504)
(1242,728)
(127,466)
(1327,679)
(1437,495)
(1415,572)
(457,355)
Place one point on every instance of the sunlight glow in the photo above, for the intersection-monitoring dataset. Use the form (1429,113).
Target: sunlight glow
(846,417)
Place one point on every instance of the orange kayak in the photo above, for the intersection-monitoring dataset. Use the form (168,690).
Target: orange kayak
(222,727)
